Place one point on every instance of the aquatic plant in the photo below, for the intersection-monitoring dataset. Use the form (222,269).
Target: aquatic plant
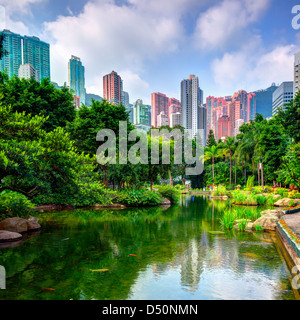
(228,219)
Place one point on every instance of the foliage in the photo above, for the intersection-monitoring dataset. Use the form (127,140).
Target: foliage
(44,166)
(289,118)
(228,219)
(211,141)
(220,191)
(14,204)
(242,224)
(258,228)
(250,182)
(169,192)
(41,99)
(141,197)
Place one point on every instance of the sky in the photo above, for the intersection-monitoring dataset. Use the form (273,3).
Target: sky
(155,44)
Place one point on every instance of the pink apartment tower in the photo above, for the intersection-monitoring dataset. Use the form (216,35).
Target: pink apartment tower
(112,88)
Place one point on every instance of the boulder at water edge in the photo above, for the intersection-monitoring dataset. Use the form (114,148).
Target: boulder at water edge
(9,236)
(285,202)
(19,225)
(268,220)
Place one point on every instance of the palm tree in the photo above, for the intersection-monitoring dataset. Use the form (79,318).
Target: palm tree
(230,147)
(211,153)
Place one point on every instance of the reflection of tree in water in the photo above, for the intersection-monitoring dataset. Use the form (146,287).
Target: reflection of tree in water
(62,256)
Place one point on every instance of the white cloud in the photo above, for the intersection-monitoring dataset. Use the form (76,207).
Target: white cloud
(253,68)
(19,7)
(110,37)
(225,23)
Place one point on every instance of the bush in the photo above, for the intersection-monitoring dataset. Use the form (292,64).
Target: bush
(140,197)
(297,195)
(261,200)
(292,194)
(220,191)
(169,192)
(14,204)
(281,191)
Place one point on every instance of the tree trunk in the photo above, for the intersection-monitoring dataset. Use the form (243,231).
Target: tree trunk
(262,175)
(170,177)
(230,172)
(235,172)
(213,168)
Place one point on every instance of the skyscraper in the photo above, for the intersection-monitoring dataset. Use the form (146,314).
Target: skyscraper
(76,78)
(264,100)
(12,61)
(140,113)
(223,127)
(37,53)
(251,106)
(282,95)
(190,102)
(159,103)
(112,88)
(296,73)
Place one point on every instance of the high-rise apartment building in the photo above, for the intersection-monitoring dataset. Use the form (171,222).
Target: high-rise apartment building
(223,127)
(27,71)
(76,78)
(296,73)
(162,119)
(159,103)
(112,88)
(25,50)
(37,53)
(282,95)
(175,119)
(13,45)
(140,113)
(251,106)
(190,103)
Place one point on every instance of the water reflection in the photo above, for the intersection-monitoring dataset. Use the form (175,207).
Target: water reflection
(151,253)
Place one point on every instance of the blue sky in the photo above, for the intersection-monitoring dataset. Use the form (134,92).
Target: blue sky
(154,44)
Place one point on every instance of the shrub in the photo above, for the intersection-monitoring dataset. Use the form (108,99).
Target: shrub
(169,192)
(281,191)
(14,204)
(285,194)
(220,191)
(250,182)
(292,194)
(140,197)
(261,200)
(297,195)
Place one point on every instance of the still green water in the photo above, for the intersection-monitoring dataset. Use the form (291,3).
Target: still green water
(151,253)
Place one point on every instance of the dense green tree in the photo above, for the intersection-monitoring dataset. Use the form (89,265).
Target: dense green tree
(37,98)
(44,166)
(211,141)
(289,118)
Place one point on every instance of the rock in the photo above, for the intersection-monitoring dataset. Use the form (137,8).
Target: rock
(18,225)
(249,226)
(272,212)
(285,202)
(166,202)
(9,236)
(219,197)
(33,219)
(33,226)
(267,222)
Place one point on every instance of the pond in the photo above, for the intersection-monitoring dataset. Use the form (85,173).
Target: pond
(178,253)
